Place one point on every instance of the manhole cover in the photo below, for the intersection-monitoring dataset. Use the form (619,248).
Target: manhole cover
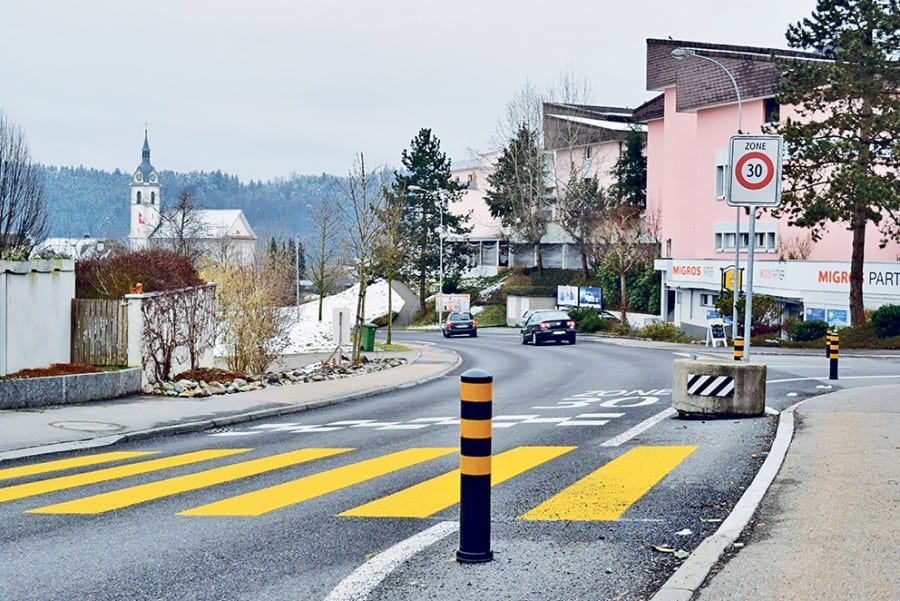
(88,426)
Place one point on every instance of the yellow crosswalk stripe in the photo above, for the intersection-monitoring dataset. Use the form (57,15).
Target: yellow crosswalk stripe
(31,489)
(276,497)
(65,464)
(437,494)
(126,497)
(609,491)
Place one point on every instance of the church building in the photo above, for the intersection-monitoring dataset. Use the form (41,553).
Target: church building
(219,233)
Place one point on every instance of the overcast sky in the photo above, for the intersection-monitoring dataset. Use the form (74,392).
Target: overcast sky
(266,88)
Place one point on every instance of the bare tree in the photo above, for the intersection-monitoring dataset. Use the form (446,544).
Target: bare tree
(23,208)
(579,208)
(177,319)
(181,228)
(390,246)
(323,248)
(250,322)
(626,239)
(364,200)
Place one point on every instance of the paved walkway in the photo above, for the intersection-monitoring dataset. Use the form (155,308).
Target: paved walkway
(824,505)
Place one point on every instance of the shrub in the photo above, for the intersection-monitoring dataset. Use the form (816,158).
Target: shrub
(810,330)
(663,330)
(113,276)
(586,320)
(887,321)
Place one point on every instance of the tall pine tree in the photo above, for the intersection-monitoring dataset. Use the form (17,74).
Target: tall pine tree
(426,190)
(843,145)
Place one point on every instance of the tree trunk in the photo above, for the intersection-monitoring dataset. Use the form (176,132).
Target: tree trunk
(857,255)
(584,266)
(390,310)
(538,259)
(623,294)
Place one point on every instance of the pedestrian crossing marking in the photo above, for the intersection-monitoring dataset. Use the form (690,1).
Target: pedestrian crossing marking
(283,495)
(30,489)
(437,494)
(65,464)
(126,497)
(609,491)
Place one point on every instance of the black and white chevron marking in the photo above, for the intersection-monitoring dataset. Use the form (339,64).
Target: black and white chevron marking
(704,385)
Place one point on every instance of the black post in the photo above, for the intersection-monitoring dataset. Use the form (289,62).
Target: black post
(476,397)
(833,354)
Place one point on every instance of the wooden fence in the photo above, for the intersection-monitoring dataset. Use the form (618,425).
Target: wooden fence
(99,332)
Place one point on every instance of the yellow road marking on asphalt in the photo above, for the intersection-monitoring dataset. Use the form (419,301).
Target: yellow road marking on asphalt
(65,464)
(31,489)
(276,497)
(437,494)
(607,493)
(126,497)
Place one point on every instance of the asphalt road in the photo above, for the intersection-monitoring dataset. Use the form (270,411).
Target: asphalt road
(352,501)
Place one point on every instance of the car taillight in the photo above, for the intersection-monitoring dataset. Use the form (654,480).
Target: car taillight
(571,324)
(449,325)
(474,324)
(544,325)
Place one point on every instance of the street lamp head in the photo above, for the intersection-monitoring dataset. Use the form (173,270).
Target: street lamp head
(680,53)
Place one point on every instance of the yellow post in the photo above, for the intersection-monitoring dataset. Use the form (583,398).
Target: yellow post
(476,391)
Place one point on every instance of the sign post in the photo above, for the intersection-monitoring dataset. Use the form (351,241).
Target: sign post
(754,181)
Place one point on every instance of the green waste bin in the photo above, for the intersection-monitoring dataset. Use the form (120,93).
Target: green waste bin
(368,336)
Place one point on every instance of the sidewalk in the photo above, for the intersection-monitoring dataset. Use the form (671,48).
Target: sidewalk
(827,527)
(31,432)
(824,505)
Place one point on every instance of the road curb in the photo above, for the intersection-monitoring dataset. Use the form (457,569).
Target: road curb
(684,583)
(217,422)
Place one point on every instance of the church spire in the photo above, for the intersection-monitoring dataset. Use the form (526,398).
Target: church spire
(145,153)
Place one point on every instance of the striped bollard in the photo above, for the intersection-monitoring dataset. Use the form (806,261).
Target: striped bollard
(738,349)
(827,344)
(833,354)
(476,396)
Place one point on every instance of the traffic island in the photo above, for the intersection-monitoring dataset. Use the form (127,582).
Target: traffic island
(710,387)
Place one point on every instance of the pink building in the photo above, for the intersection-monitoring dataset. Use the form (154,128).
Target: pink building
(688,130)
(589,137)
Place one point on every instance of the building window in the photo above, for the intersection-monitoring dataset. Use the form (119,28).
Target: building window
(708,299)
(153,198)
(138,198)
(473,181)
(772,110)
(766,236)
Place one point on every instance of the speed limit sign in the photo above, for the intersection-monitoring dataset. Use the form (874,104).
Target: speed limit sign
(755,166)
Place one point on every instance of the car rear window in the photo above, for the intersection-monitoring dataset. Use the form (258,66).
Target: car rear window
(460,316)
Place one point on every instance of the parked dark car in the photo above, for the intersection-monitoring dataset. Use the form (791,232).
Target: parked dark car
(459,323)
(543,326)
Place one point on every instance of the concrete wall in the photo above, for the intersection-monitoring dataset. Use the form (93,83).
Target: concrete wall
(61,390)
(516,305)
(35,313)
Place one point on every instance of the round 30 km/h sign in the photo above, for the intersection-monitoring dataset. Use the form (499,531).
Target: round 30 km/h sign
(756,171)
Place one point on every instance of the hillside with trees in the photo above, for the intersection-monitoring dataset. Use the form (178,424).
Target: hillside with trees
(82,201)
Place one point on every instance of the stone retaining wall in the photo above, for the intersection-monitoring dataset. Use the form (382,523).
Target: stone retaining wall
(23,393)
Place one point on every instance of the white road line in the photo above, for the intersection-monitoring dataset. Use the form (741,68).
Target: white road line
(363,580)
(644,425)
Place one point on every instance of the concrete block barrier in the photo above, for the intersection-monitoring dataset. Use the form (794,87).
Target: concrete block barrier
(61,390)
(710,387)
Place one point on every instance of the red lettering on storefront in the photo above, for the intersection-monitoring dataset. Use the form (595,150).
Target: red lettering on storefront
(834,277)
(693,270)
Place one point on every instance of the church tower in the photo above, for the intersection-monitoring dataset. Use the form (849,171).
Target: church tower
(144,200)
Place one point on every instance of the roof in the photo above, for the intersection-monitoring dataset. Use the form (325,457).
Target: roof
(214,224)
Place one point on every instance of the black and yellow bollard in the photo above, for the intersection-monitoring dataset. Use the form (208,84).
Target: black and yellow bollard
(833,354)
(476,391)
(738,349)
(827,344)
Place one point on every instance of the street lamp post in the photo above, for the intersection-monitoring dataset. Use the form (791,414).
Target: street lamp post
(678,54)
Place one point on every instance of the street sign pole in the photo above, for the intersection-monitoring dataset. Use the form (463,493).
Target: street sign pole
(754,181)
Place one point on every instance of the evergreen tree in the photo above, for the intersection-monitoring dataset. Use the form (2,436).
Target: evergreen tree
(426,190)
(630,172)
(843,145)
(517,193)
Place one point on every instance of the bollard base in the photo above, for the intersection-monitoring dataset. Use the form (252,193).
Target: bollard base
(466,557)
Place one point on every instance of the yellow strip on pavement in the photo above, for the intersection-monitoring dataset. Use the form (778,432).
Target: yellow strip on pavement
(437,494)
(276,497)
(66,464)
(608,492)
(21,491)
(126,497)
